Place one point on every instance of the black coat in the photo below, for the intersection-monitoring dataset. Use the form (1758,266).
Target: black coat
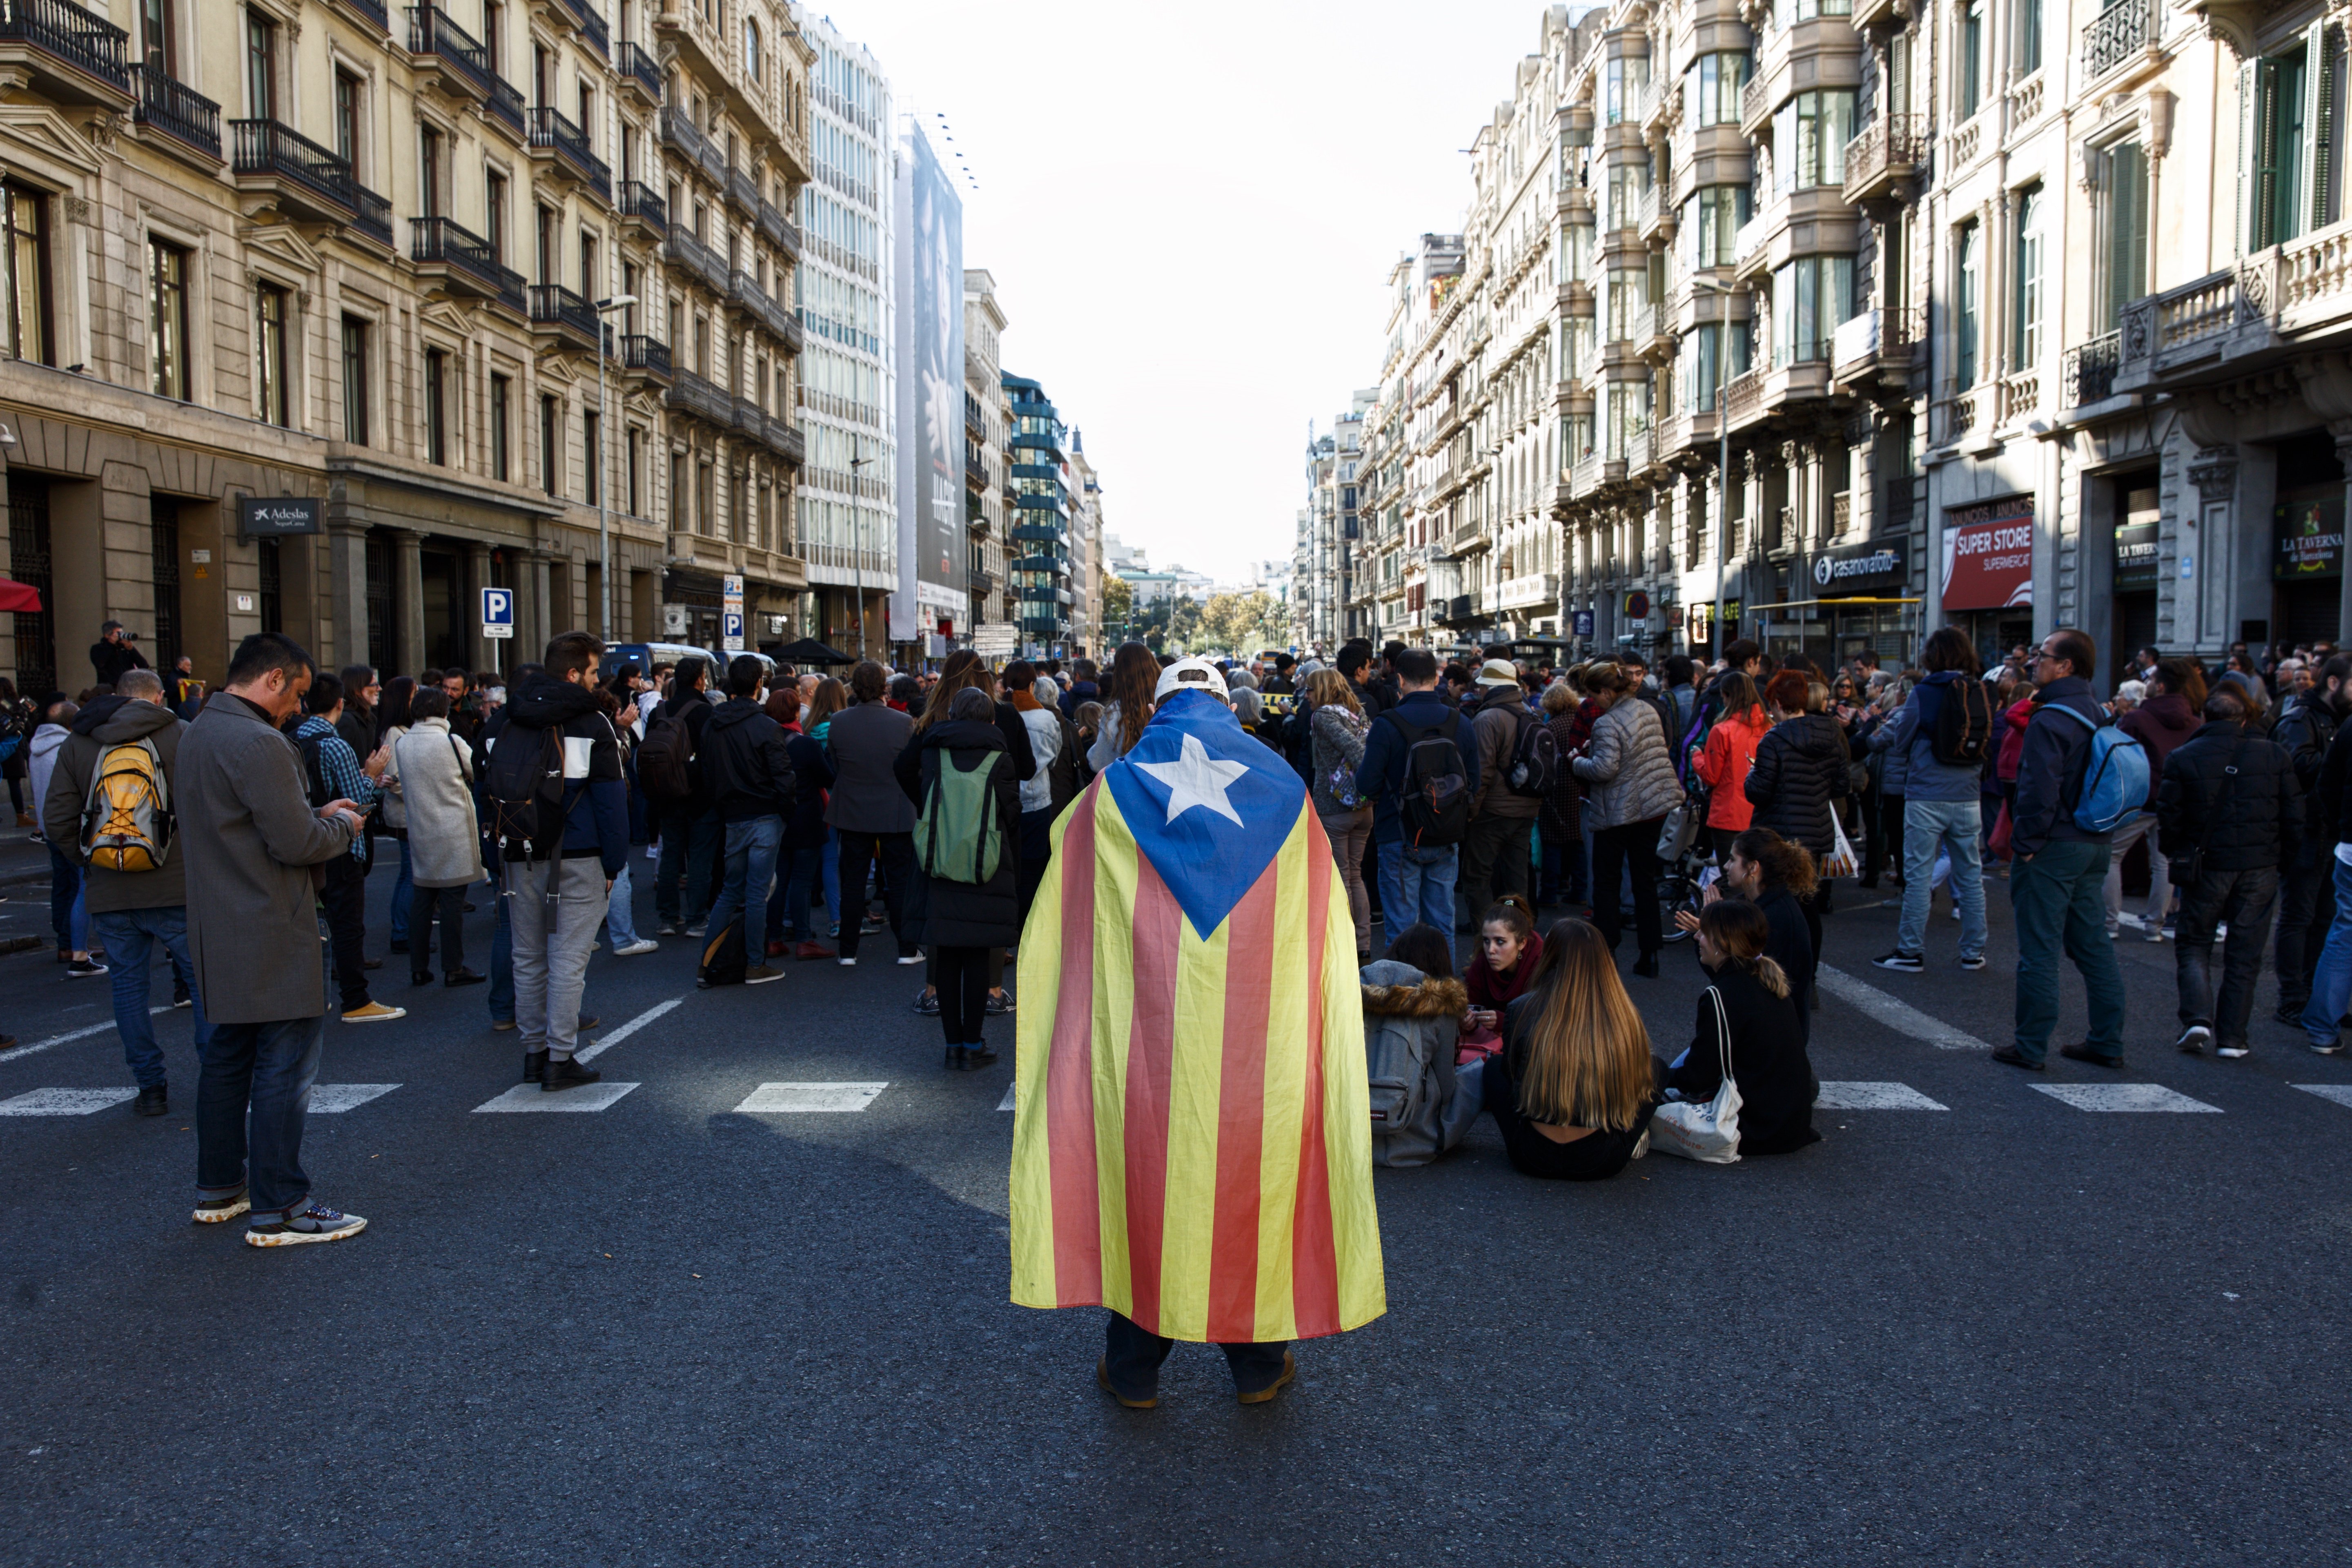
(813,773)
(746,771)
(1767,1059)
(1790,946)
(1800,767)
(2261,821)
(2306,727)
(940,913)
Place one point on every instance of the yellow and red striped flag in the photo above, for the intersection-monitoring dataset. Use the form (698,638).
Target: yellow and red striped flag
(1192,1140)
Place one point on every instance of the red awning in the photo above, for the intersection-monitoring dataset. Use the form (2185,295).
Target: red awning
(19,597)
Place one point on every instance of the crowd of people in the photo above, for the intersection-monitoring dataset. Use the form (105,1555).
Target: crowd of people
(1532,808)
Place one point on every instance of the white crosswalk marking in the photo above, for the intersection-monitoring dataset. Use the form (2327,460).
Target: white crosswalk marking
(531,1097)
(1848,1096)
(1896,1014)
(1011,1089)
(809,1097)
(65,1101)
(2341,1093)
(334,1099)
(614,1037)
(2123,1097)
(39,1046)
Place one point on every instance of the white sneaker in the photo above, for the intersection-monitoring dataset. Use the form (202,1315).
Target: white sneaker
(910,958)
(643,944)
(849,963)
(2194,1039)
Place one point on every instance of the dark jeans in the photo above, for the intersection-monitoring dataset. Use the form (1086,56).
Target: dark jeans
(501,996)
(1494,860)
(1563,864)
(132,937)
(2306,908)
(1132,1359)
(2241,899)
(895,854)
(344,899)
(1886,831)
(788,915)
(1036,853)
(2060,900)
(422,902)
(961,975)
(65,888)
(1631,848)
(691,846)
(253,1091)
(751,870)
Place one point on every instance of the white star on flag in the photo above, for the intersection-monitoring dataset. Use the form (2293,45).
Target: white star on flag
(1196,778)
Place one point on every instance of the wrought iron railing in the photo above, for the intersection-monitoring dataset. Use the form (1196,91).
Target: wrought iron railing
(639,66)
(554,305)
(441,240)
(2091,370)
(61,29)
(431,32)
(2116,34)
(650,355)
(553,131)
(179,111)
(638,200)
(266,147)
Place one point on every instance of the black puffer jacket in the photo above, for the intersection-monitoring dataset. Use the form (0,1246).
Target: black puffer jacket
(940,913)
(1800,768)
(2261,822)
(2306,727)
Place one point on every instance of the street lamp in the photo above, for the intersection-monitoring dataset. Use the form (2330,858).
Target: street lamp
(858,543)
(603,474)
(1723,460)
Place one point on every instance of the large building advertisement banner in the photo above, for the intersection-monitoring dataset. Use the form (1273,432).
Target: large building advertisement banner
(1989,556)
(932,579)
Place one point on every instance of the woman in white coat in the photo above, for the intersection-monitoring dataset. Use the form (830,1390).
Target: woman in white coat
(432,774)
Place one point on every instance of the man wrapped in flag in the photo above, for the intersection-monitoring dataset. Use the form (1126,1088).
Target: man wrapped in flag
(1192,1143)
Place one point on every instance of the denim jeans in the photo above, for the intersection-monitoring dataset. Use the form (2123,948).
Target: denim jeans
(690,838)
(1417,885)
(502,985)
(2331,986)
(403,889)
(252,1093)
(131,936)
(788,916)
(2306,908)
(2058,902)
(2243,900)
(619,915)
(751,867)
(831,881)
(68,916)
(1954,827)
(1494,856)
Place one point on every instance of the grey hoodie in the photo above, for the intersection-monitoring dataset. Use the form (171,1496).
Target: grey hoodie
(73,758)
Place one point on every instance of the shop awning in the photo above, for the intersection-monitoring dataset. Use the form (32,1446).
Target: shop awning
(19,598)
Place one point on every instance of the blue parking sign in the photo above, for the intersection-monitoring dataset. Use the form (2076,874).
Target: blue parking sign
(497,612)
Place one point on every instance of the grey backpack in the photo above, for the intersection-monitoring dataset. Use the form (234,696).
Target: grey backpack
(1411,1026)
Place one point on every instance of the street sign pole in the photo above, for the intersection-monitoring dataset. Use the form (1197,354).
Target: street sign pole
(497,622)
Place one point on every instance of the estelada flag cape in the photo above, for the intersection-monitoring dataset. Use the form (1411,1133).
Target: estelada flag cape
(1192,1135)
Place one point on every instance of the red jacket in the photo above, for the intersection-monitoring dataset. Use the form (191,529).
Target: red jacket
(1730,752)
(2013,743)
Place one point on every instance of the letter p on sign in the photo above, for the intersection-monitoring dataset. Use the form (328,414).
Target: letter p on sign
(497,612)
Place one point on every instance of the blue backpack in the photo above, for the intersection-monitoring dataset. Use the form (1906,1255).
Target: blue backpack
(2115,778)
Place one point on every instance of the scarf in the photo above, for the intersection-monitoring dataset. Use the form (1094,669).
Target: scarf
(1025,701)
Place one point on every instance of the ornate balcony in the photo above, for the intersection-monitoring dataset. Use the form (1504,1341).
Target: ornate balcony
(460,64)
(2124,35)
(742,192)
(2091,370)
(304,181)
(692,393)
(71,55)
(1881,160)
(698,261)
(639,72)
(559,313)
(562,146)
(1877,346)
(645,357)
(641,206)
(591,27)
(188,117)
(462,263)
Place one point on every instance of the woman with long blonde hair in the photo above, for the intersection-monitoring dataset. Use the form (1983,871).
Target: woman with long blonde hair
(1128,703)
(1574,1085)
(1336,727)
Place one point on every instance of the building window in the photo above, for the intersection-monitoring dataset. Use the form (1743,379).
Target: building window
(428,171)
(637,494)
(436,406)
(1972,60)
(158,37)
(501,463)
(272,403)
(588,289)
(1807,10)
(1713,85)
(1809,135)
(494,36)
(706,501)
(2027,306)
(273,588)
(1707,367)
(2122,256)
(494,214)
(167,319)
(550,247)
(355,381)
(26,219)
(2027,22)
(1810,296)
(1966,308)
(1718,211)
(592,454)
(677,491)
(347,119)
(551,445)
(260,65)
(751,63)
(2278,113)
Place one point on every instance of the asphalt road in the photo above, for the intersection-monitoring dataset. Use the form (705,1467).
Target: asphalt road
(2004,1330)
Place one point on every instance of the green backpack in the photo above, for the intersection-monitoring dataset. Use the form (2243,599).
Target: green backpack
(957,835)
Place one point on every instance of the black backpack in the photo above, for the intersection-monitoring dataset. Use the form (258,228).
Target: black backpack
(1963,734)
(525,785)
(1535,757)
(314,772)
(1435,805)
(663,757)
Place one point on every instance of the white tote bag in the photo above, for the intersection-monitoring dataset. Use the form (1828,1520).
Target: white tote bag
(1843,861)
(1708,1133)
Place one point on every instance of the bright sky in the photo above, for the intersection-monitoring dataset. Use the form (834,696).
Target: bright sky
(1191,213)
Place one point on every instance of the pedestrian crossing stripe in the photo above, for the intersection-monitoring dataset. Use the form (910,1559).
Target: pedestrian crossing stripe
(1846,1096)
(334,1099)
(1010,1090)
(531,1097)
(65,1101)
(795,1097)
(2341,1093)
(2123,1097)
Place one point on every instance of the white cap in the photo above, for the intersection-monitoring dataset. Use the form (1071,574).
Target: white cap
(1189,673)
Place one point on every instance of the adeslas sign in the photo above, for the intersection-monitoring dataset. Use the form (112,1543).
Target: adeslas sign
(276,517)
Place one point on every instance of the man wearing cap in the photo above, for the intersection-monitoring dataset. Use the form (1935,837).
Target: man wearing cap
(1496,852)
(1192,1128)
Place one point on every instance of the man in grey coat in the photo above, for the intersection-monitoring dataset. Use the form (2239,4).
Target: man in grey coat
(1502,821)
(870,815)
(132,911)
(258,944)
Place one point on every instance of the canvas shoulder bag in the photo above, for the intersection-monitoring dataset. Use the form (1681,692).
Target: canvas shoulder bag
(1708,1133)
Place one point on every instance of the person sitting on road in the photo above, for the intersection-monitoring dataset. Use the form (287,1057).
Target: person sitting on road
(1412,1018)
(1574,1085)
(1767,1048)
(1508,951)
